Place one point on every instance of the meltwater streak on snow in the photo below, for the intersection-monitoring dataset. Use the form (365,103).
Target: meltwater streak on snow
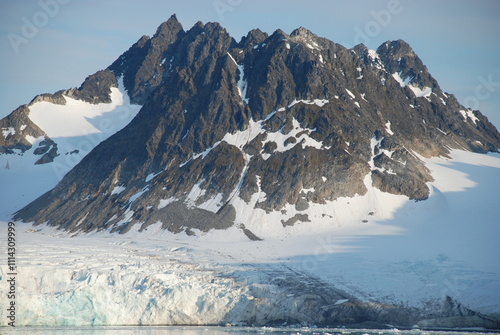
(77,128)
(242,83)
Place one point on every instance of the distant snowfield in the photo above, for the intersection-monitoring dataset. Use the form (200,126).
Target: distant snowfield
(77,127)
(418,251)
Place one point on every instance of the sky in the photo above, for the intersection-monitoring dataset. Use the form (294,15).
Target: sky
(48,45)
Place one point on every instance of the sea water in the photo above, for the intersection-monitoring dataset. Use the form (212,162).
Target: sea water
(158,330)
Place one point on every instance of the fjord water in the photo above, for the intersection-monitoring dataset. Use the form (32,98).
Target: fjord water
(203,330)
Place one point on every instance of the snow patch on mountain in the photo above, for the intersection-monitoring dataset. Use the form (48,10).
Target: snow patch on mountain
(213,204)
(421,92)
(151,176)
(195,193)
(301,135)
(402,82)
(165,202)
(375,58)
(118,189)
(137,195)
(77,119)
(242,83)
(342,212)
(8,132)
(350,94)
(468,114)
(388,128)
(317,102)
(424,92)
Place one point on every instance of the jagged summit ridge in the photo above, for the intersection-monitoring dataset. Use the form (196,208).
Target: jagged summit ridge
(276,129)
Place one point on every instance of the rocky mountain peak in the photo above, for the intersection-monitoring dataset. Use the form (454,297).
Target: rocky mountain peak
(141,42)
(397,48)
(303,34)
(279,34)
(168,31)
(144,65)
(96,88)
(398,57)
(310,40)
(254,36)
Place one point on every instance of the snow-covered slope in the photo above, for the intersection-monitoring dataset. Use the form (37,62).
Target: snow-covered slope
(425,251)
(76,127)
(446,245)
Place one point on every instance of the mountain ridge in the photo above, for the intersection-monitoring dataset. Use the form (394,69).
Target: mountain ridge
(337,108)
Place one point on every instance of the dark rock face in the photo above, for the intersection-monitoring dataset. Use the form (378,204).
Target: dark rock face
(277,114)
(16,127)
(146,62)
(95,89)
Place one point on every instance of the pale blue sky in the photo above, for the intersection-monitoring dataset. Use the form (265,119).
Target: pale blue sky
(458,40)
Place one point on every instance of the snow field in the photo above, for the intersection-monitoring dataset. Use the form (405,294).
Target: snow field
(77,128)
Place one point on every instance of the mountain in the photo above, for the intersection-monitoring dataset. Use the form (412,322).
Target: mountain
(274,136)
(278,125)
